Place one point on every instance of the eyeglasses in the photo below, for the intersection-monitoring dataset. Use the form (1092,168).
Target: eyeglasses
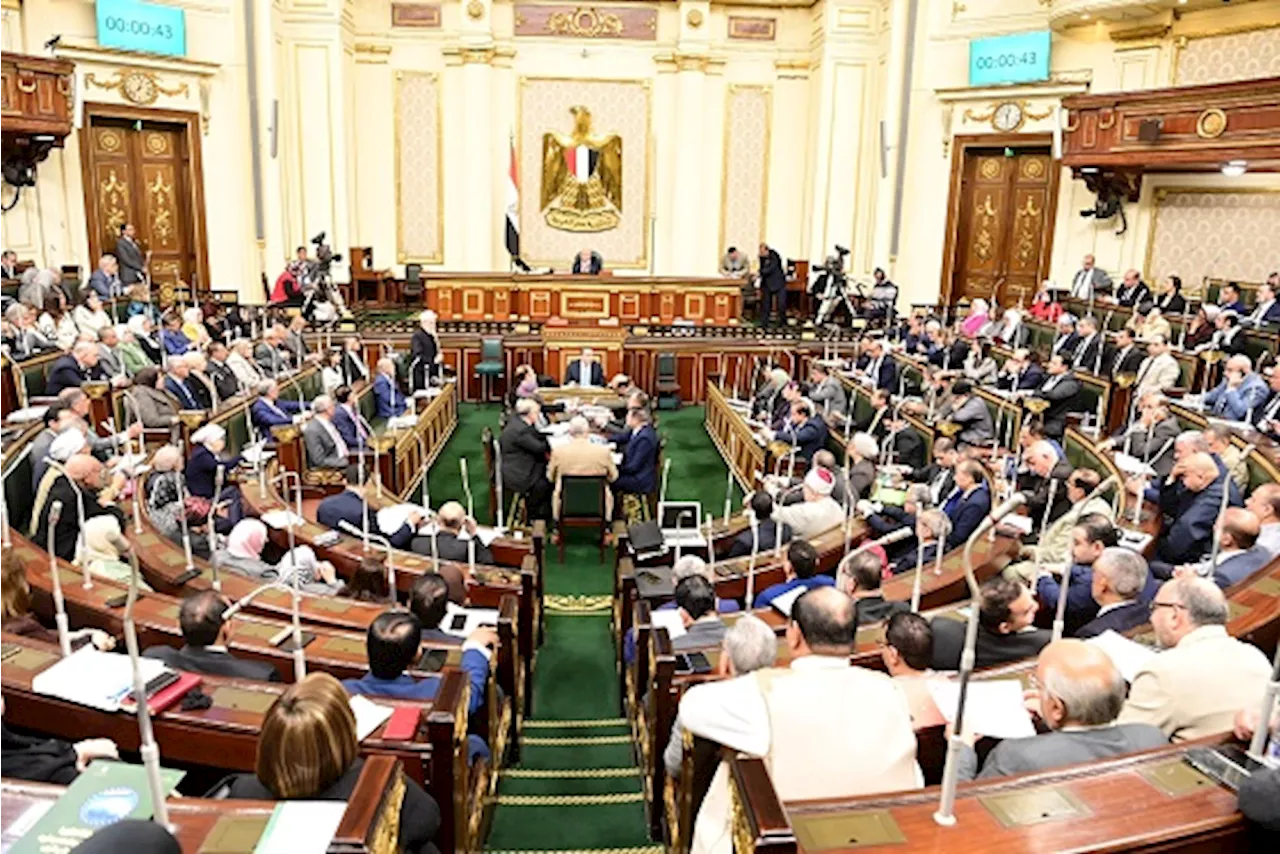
(1155,605)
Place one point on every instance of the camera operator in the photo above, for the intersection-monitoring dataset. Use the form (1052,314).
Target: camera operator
(830,288)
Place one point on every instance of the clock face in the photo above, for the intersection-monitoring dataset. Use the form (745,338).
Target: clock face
(1007,117)
(139,88)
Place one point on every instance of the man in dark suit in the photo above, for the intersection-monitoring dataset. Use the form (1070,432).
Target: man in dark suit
(1020,372)
(939,475)
(803,432)
(271,410)
(638,474)
(105,281)
(1088,352)
(77,486)
(346,420)
(696,603)
(906,446)
(882,370)
(773,286)
(590,375)
(587,263)
(224,378)
(205,633)
(1118,585)
(952,352)
(525,451)
(74,369)
(429,599)
(1151,437)
(766,534)
(1091,535)
(349,506)
(177,383)
(1189,537)
(1123,357)
(1045,464)
(1006,613)
(1080,694)
(931,530)
(1239,554)
(447,543)
(1132,291)
(1229,299)
(1266,309)
(969,503)
(1066,341)
(9,264)
(133,263)
(860,578)
(1061,389)
(325,446)
(1267,416)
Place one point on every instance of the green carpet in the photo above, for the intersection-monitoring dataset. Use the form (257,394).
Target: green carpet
(577,787)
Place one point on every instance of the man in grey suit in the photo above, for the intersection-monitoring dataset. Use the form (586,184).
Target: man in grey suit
(1239,555)
(827,393)
(1080,696)
(132,261)
(325,447)
(970,412)
(1150,438)
(696,603)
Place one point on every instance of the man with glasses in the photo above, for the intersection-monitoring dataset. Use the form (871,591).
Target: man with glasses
(1194,688)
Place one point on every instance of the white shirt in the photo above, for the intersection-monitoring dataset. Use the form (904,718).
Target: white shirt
(584,372)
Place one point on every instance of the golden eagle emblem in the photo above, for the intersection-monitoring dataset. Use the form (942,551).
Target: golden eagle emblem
(581,177)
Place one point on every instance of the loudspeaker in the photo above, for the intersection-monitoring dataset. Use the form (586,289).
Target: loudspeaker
(1149,130)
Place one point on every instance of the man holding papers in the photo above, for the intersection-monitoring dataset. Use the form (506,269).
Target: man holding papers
(1080,694)
(349,506)
(800,567)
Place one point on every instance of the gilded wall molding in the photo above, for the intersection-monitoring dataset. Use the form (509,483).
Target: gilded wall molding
(752,28)
(689,62)
(792,69)
(585,21)
(477,55)
(416,15)
(137,87)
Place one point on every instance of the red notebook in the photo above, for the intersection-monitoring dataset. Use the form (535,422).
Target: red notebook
(166,696)
(402,725)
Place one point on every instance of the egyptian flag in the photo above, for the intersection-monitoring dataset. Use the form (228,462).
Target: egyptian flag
(513,206)
(582,161)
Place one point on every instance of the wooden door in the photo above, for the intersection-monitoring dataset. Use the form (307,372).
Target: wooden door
(1003,227)
(145,171)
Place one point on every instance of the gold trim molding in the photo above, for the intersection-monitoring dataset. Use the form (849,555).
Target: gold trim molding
(126,81)
(689,62)
(477,55)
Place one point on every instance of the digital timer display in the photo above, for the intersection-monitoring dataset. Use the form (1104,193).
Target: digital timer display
(1015,58)
(144,27)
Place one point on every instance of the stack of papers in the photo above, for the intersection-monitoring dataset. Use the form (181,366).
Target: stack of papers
(1132,466)
(993,708)
(280,519)
(402,422)
(484,534)
(301,827)
(463,621)
(100,680)
(26,415)
(369,716)
(1128,656)
(393,518)
(670,620)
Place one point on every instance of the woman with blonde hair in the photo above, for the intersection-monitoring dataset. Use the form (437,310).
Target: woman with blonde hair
(307,750)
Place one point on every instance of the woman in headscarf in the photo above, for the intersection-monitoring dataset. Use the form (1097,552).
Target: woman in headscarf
(165,507)
(424,350)
(240,361)
(130,349)
(206,445)
(101,557)
(243,555)
(89,316)
(144,329)
(1012,333)
(976,318)
(193,326)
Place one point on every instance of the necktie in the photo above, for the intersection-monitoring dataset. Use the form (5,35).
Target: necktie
(360,431)
(1273,408)
(186,393)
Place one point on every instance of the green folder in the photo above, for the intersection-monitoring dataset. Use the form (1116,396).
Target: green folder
(104,793)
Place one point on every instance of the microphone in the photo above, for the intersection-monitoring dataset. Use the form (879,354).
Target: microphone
(751,564)
(945,814)
(211,532)
(895,536)
(59,606)
(238,605)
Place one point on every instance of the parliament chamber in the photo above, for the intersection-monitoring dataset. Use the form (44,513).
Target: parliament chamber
(529,427)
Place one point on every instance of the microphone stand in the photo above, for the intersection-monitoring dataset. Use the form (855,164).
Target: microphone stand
(299,659)
(387,547)
(213,543)
(915,584)
(666,470)
(1044,525)
(1222,508)
(373,444)
(466,487)
(1264,717)
(149,750)
(85,572)
(182,517)
(945,814)
(751,564)
(728,486)
(711,546)
(499,512)
(59,605)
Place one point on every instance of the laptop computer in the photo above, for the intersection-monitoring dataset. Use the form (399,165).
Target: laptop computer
(680,521)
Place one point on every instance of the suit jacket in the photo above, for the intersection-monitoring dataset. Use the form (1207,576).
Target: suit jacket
(876,609)
(1086,353)
(1237,403)
(908,448)
(202,471)
(131,259)
(1120,619)
(766,538)
(1196,688)
(1147,445)
(388,401)
(182,392)
(423,349)
(966,514)
(347,507)
(1080,605)
(974,418)
(1171,303)
(1268,411)
(1159,374)
(581,457)
(1061,392)
(1039,499)
(346,426)
(638,474)
(950,357)
(322,451)
(1241,566)
(104,285)
(703,633)
(939,480)
(294,343)
(1086,282)
(907,563)
(886,374)
(524,455)
(1131,296)
(1066,345)
(574,373)
(1259,798)
(448,547)
(1126,362)
(271,360)
(1265,313)
(201,659)
(828,397)
(67,373)
(1191,534)
(1059,748)
(806,438)
(41,760)
(1230,341)
(224,379)
(354,368)
(597,264)
(267,414)
(772,276)
(989,650)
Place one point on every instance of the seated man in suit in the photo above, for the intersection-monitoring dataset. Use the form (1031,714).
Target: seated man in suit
(1006,632)
(326,449)
(818,512)
(1124,356)
(581,457)
(1050,472)
(906,653)
(1062,391)
(1053,552)
(348,421)
(1204,676)
(859,576)
(105,281)
(271,410)
(827,393)
(349,506)
(585,371)
(74,369)
(1150,438)
(447,543)
(1080,693)
(766,531)
(1132,290)
(931,533)
(1117,585)
(969,411)
(205,634)
(1264,503)
(1229,299)
(696,603)
(887,518)
(430,598)
(1266,309)
(803,431)
(1159,371)
(1190,535)
(388,400)
(793,491)
(800,567)
(1239,554)
(587,263)
(1066,341)
(224,379)
(968,504)
(638,474)
(881,370)
(1088,354)
(524,459)
(270,354)
(774,718)
(1240,394)
(190,392)
(939,475)
(1090,537)
(1020,372)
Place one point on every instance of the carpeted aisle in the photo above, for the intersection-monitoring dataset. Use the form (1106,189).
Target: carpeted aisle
(577,787)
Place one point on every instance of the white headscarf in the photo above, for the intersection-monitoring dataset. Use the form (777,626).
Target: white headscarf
(67,444)
(208,433)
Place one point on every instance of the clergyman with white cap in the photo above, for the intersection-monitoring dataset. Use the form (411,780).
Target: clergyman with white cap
(818,512)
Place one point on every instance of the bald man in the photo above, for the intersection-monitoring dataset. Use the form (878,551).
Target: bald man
(1240,395)
(1189,536)
(1239,555)
(1045,463)
(87,474)
(388,401)
(1089,280)
(1080,694)
(1265,504)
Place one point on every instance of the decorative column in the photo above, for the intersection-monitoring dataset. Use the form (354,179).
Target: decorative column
(692,233)
(479,220)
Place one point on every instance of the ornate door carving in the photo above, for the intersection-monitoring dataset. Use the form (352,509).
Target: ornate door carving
(1003,231)
(143,171)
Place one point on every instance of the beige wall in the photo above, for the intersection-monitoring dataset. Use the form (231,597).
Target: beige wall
(425,179)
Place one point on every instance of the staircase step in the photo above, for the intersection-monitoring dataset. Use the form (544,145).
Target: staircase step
(568,800)
(575,724)
(569,828)
(542,756)
(613,784)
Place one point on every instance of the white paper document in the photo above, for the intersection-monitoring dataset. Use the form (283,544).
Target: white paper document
(279,519)
(1128,656)
(100,680)
(369,716)
(301,827)
(784,602)
(1133,466)
(484,534)
(669,620)
(463,621)
(993,708)
(393,518)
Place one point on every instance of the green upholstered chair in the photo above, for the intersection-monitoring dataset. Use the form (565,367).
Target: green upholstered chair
(583,504)
(491,365)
